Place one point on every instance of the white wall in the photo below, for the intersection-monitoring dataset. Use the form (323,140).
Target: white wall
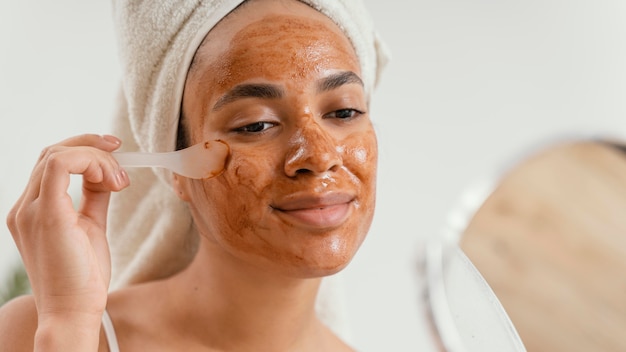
(471,83)
(58,74)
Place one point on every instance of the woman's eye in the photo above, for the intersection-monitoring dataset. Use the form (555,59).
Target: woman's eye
(256,127)
(344,114)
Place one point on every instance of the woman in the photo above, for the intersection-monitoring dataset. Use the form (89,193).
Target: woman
(286,88)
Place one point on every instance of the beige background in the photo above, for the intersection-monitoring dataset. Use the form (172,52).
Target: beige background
(471,84)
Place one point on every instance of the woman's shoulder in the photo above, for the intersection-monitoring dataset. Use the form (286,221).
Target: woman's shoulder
(135,303)
(127,307)
(18,323)
(136,314)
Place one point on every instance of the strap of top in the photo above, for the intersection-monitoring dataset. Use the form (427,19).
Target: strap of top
(109,332)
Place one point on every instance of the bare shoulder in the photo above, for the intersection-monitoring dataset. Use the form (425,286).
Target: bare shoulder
(139,316)
(18,323)
(331,342)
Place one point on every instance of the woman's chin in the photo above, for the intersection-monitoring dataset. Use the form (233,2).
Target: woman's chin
(317,267)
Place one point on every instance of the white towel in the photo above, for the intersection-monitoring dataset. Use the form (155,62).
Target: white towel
(150,230)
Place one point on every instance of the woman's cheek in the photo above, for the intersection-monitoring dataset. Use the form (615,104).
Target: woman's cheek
(240,192)
(254,172)
(361,157)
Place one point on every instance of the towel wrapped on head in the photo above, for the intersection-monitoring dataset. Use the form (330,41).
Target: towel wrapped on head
(150,229)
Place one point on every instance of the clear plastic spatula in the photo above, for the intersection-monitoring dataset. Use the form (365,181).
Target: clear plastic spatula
(200,161)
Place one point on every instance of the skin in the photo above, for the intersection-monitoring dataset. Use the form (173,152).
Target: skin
(293,204)
(306,157)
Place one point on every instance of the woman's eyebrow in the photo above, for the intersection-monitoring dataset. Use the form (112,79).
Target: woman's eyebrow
(338,79)
(252,90)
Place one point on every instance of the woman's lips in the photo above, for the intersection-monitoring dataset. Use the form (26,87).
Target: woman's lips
(321,212)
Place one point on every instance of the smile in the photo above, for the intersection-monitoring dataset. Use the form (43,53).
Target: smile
(325,212)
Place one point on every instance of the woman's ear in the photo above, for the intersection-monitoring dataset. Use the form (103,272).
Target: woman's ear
(179,183)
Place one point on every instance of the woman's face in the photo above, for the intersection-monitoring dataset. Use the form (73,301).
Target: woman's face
(279,82)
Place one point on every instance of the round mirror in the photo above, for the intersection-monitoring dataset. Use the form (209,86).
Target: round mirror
(550,240)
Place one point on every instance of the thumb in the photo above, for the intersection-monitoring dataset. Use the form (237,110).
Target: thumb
(95,199)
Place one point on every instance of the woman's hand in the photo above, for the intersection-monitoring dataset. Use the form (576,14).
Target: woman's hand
(64,250)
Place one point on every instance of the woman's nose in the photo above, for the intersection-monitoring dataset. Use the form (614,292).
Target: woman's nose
(312,150)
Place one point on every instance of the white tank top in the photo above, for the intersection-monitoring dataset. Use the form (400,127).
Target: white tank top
(109,332)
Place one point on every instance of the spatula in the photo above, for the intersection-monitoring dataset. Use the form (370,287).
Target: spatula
(200,161)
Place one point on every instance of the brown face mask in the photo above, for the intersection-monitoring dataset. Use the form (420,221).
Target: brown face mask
(298,193)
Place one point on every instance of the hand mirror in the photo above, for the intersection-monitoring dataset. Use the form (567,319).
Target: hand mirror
(550,240)
(464,313)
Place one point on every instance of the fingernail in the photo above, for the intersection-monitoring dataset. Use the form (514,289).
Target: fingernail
(123,176)
(118,177)
(112,139)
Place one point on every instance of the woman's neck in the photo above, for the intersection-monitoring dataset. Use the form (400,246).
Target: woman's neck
(233,305)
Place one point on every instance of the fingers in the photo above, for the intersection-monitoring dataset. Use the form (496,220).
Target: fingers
(104,142)
(88,155)
(71,155)
(96,167)
(95,200)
